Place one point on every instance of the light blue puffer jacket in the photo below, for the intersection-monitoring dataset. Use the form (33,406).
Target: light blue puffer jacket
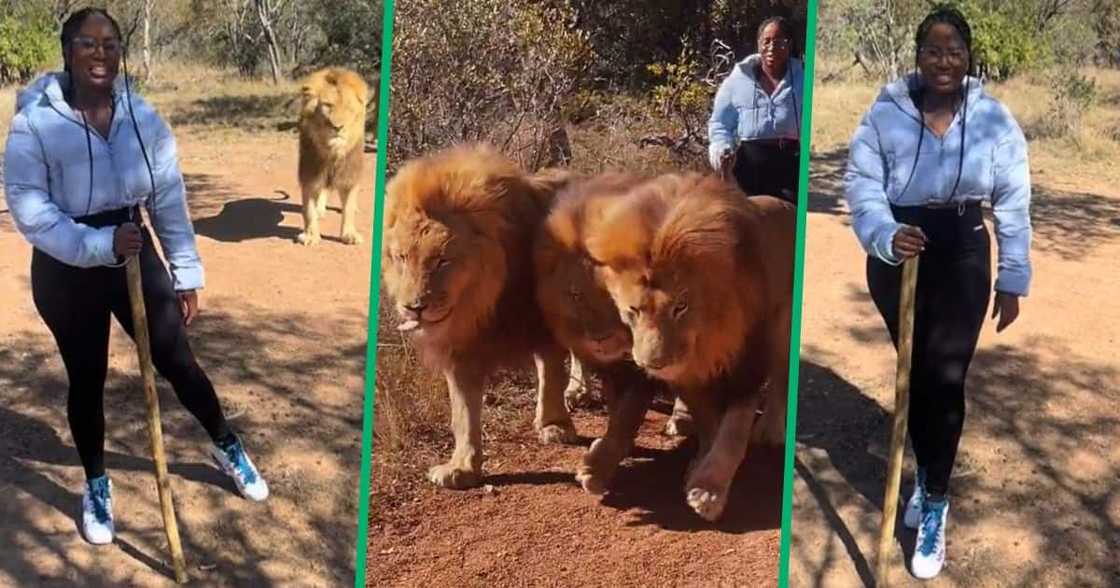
(743,110)
(996,170)
(47,179)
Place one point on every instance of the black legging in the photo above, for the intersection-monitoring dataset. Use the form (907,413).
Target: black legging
(954,287)
(768,167)
(75,303)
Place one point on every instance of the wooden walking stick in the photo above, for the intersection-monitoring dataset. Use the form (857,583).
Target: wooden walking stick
(726,165)
(143,348)
(901,410)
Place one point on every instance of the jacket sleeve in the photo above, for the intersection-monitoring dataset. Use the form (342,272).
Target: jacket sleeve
(36,216)
(865,192)
(722,125)
(172,221)
(1011,200)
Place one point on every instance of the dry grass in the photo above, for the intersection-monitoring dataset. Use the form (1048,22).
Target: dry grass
(198,99)
(1090,153)
(203,100)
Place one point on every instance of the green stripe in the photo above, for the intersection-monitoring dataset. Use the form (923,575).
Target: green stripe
(374,291)
(798,288)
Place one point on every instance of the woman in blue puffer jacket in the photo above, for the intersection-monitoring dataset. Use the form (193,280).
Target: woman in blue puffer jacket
(931,149)
(755,128)
(82,155)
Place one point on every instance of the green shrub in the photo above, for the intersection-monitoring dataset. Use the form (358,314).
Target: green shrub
(1073,96)
(26,47)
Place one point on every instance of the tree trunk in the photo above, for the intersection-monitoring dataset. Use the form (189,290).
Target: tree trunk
(147,40)
(264,15)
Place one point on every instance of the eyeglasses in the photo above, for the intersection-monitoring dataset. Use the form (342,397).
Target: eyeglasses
(772,43)
(955,56)
(90,45)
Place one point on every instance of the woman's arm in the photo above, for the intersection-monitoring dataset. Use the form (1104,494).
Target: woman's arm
(1011,199)
(38,218)
(172,221)
(722,125)
(865,192)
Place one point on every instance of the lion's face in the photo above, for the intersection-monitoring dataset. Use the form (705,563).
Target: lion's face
(580,311)
(334,103)
(667,255)
(665,319)
(431,269)
(333,107)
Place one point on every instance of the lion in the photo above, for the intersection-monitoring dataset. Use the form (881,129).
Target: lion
(331,142)
(458,233)
(703,277)
(582,316)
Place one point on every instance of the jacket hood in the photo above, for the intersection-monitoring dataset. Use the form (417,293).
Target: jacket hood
(748,68)
(899,91)
(48,87)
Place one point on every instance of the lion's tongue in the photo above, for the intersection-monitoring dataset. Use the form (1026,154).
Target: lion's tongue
(409,325)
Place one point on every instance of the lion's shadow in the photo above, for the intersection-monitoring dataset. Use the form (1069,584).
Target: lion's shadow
(254,218)
(756,494)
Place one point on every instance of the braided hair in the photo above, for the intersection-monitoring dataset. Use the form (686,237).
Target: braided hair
(942,14)
(786,30)
(70,30)
(74,24)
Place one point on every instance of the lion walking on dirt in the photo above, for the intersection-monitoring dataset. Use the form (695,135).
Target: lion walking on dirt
(331,139)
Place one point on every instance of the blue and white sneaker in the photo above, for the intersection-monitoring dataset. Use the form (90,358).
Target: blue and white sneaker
(912,516)
(97,511)
(929,549)
(233,460)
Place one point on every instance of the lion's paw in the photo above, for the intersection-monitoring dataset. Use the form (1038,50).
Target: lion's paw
(706,503)
(306,238)
(577,394)
(680,425)
(353,238)
(448,475)
(596,469)
(555,434)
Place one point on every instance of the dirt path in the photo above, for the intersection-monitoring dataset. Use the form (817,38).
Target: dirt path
(1036,493)
(282,335)
(535,526)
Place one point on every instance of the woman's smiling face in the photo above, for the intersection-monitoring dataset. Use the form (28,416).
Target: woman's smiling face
(95,54)
(943,59)
(774,46)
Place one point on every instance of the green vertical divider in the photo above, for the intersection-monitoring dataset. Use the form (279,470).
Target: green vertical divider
(798,290)
(383,96)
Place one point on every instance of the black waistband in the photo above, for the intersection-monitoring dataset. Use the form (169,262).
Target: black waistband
(962,205)
(108,218)
(967,214)
(779,142)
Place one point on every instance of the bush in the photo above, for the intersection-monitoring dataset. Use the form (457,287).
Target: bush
(1003,46)
(683,98)
(26,47)
(489,70)
(1073,96)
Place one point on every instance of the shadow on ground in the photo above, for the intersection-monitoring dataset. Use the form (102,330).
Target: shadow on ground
(754,504)
(276,409)
(842,429)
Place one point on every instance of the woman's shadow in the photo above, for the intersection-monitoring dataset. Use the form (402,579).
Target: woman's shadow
(853,432)
(26,439)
